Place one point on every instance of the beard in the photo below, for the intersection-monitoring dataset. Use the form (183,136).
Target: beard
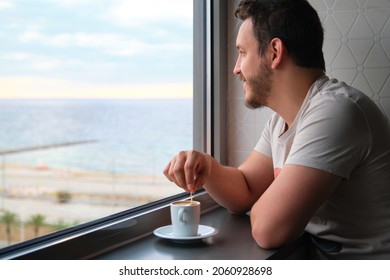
(259,87)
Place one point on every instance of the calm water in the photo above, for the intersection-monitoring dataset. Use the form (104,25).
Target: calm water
(133,136)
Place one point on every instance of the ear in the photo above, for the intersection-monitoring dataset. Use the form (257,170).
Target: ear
(277,51)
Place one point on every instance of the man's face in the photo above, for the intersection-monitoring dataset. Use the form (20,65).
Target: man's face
(252,68)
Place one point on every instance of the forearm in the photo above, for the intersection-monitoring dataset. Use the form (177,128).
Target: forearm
(237,189)
(228,187)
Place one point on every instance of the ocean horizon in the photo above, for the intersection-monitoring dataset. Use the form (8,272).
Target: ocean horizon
(130,136)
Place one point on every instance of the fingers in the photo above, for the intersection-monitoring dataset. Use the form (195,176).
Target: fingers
(183,170)
(174,171)
(190,167)
(178,171)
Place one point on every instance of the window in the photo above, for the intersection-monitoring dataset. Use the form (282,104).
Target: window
(209,118)
(96,97)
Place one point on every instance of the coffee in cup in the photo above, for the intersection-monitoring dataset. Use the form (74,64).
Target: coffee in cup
(185,216)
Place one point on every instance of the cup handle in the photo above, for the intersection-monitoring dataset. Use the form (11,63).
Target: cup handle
(181,216)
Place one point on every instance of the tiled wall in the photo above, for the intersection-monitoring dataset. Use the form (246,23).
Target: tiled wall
(356,49)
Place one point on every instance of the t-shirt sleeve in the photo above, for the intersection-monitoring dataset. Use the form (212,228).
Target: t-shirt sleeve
(332,136)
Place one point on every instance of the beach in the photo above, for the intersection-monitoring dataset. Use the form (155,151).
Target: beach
(34,189)
(31,190)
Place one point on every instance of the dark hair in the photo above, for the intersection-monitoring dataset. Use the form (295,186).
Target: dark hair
(295,22)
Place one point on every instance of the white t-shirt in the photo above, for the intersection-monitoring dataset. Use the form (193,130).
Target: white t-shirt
(340,130)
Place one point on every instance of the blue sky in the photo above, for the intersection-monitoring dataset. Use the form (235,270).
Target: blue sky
(56,47)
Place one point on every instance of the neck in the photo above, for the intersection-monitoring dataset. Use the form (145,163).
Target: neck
(289,90)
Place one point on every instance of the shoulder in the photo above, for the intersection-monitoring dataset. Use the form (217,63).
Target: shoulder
(340,95)
(338,102)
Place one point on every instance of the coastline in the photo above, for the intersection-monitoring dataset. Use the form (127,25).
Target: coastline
(29,190)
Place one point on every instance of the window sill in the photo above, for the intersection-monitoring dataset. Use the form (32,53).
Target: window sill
(95,238)
(233,241)
(130,236)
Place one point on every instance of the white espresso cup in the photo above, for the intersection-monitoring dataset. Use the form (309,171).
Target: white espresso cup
(185,216)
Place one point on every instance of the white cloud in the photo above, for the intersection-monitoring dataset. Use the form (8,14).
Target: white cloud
(109,43)
(45,63)
(137,13)
(49,44)
(30,36)
(34,62)
(5,4)
(16,56)
(71,3)
(133,13)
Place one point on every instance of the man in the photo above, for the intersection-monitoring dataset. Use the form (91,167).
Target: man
(322,164)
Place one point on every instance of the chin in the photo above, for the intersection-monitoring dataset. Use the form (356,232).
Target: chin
(253,104)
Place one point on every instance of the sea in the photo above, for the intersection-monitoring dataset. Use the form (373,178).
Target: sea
(130,136)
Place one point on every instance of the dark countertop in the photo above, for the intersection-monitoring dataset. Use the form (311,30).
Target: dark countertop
(233,241)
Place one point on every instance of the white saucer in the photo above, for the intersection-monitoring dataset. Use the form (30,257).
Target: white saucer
(167,233)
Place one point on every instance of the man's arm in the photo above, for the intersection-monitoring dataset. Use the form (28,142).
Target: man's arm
(237,189)
(283,211)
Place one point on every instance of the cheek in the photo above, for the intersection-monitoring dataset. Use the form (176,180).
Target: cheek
(250,66)
(244,65)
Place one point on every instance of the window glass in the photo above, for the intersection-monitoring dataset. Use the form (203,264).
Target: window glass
(96,97)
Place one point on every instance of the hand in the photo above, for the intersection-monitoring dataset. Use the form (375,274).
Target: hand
(189,170)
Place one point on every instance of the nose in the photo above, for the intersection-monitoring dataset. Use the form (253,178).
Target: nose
(237,67)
